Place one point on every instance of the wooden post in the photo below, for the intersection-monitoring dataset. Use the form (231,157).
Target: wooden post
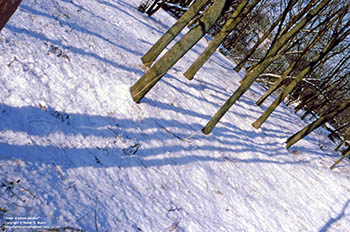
(345,154)
(7,8)
(180,24)
(316,124)
(176,52)
(237,16)
(253,74)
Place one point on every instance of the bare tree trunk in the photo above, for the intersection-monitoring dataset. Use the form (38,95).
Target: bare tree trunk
(281,97)
(316,124)
(276,85)
(323,87)
(7,8)
(323,102)
(260,41)
(332,43)
(159,46)
(258,69)
(161,67)
(334,133)
(308,98)
(308,112)
(240,65)
(278,82)
(291,22)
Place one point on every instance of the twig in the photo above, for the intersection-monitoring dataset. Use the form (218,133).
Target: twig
(14,59)
(11,203)
(174,227)
(9,186)
(96,216)
(82,217)
(198,132)
(173,134)
(28,191)
(12,183)
(113,131)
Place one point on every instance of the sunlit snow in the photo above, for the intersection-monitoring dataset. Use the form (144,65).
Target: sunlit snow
(76,151)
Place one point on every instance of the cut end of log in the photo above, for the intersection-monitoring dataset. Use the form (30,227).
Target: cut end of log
(256,125)
(259,102)
(134,95)
(206,131)
(188,76)
(288,145)
(237,69)
(144,67)
(291,141)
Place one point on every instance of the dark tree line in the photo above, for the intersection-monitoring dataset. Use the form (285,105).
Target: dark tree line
(176,7)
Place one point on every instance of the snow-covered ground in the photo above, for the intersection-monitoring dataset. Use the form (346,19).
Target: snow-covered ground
(76,151)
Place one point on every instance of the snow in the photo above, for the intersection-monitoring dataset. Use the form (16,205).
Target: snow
(77,152)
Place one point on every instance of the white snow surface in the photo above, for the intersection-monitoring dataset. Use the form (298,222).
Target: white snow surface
(77,152)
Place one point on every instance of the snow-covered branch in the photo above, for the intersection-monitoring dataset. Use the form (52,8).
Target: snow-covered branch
(175,6)
(277,76)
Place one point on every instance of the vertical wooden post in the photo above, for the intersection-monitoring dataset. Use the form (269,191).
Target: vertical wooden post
(7,8)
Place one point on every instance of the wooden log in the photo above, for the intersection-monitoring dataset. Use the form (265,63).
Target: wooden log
(7,8)
(345,154)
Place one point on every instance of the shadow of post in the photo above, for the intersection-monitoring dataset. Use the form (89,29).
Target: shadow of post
(44,135)
(332,220)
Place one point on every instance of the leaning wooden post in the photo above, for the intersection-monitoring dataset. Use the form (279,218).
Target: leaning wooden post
(278,82)
(251,76)
(345,154)
(316,124)
(263,38)
(237,16)
(7,8)
(161,67)
(159,46)
(340,144)
(332,43)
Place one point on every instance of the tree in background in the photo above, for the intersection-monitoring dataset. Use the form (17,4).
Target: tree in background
(286,35)
(336,38)
(335,73)
(300,59)
(267,33)
(316,124)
